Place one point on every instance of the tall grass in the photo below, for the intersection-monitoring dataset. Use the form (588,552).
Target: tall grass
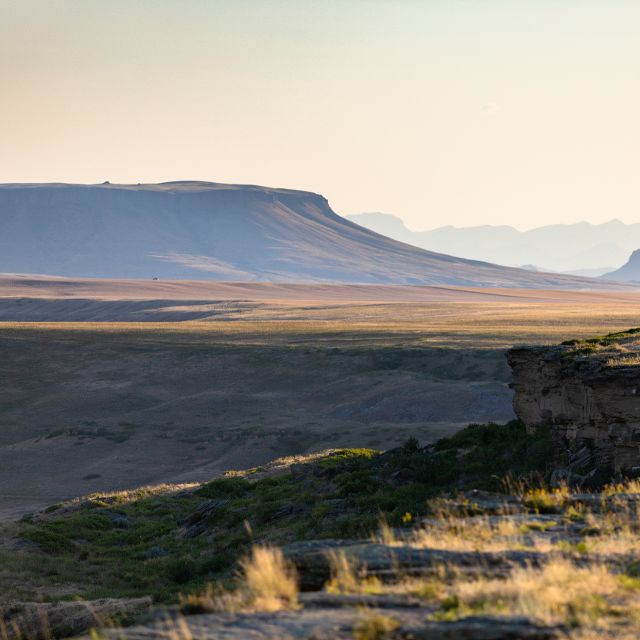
(559,592)
(270,580)
(267,582)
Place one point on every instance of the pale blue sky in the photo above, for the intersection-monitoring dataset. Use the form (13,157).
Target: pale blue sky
(521,112)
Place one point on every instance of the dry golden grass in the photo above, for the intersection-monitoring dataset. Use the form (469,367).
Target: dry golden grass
(591,589)
(592,595)
(122,497)
(472,324)
(346,579)
(591,585)
(279,465)
(629,486)
(269,580)
(624,361)
(543,500)
(478,534)
(559,592)
(375,626)
(268,583)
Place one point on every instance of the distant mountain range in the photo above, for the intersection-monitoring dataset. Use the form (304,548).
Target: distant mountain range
(202,230)
(582,248)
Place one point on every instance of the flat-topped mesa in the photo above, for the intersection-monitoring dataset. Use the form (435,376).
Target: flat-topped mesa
(587,392)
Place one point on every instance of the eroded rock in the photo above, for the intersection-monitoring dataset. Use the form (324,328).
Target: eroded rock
(63,619)
(313,561)
(591,406)
(336,624)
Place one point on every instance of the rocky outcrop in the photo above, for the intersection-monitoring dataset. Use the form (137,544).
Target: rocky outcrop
(46,620)
(312,560)
(337,624)
(591,407)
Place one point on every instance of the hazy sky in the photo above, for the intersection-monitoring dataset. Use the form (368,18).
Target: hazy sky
(521,112)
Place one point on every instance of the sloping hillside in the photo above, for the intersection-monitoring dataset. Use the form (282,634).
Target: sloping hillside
(202,230)
(628,272)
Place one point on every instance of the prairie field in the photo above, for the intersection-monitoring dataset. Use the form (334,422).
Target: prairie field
(437,324)
(169,430)
(283,370)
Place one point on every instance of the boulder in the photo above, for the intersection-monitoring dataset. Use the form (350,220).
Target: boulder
(385,562)
(43,621)
(336,624)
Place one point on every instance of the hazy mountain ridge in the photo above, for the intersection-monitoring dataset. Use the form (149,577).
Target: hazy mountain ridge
(201,230)
(559,247)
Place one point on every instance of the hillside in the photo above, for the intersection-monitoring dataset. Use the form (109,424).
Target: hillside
(199,230)
(459,539)
(628,272)
(581,248)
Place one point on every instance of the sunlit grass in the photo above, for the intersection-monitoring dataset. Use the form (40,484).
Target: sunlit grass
(450,324)
(559,592)
(267,582)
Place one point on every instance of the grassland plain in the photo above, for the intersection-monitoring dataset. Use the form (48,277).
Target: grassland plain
(127,404)
(429,536)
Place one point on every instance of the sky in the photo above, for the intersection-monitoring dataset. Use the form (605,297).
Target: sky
(461,112)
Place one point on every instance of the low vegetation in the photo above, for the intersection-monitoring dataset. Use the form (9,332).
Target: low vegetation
(266,582)
(581,575)
(549,554)
(343,323)
(617,349)
(172,540)
(584,575)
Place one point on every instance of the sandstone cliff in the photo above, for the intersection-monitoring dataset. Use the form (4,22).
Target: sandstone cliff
(588,394)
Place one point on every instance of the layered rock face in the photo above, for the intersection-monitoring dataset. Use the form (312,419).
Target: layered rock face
(589,401)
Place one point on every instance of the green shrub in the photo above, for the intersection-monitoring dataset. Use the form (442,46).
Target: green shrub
(182,570)
(49,541)
(225,488)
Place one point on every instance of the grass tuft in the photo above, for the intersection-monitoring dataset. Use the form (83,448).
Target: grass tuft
(270,580)
(375,626)
(267,582)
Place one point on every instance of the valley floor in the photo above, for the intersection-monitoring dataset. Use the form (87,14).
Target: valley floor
(266,370)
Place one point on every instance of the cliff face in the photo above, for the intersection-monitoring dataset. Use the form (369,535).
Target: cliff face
(590,402)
